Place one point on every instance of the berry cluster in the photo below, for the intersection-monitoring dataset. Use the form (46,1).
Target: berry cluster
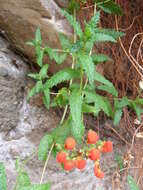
(71,158)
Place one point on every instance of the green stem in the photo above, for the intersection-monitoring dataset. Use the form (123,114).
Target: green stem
(73,63)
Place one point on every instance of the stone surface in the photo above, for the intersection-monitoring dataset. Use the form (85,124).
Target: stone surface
(19,20)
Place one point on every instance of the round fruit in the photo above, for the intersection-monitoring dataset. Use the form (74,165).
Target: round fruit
(92,137)
(94,154)
(69,165)
(98,173)
(107,147)
(80,163)
(61,157)
(70,143)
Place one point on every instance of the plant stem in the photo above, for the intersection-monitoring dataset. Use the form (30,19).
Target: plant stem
(73,63)
(46,163)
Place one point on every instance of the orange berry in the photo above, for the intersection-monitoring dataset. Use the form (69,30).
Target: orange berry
(80,163)
(92,137)
(69,165)
(98,173)
(94,154)
(61,157)
(107,147)
(70,143)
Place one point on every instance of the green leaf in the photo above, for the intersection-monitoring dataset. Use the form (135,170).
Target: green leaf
(88,66)
(109,7)
(45,186)
(101,37)
(39,55)
(75,102)
(65,42)
(46,97)
(100,102)
(34,76)
(122,103)
(100,58)
(117,116)
(38,87)
(54,55)
(3,185)
(73,23)
(136,108)
(31,43)
(109,89)
(23,179)
(38,38)
(45,144)
(115,34)
(62,97)
(98,77)
(61,76)
(132,183)
(61,132)
(43,71)
(90,109)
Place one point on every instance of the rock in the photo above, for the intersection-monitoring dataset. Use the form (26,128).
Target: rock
(19,20)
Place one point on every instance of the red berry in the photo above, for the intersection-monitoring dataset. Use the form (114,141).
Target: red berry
(94,154)
(98,173)
(69,165)
(61,157)
(80,163)
(107,147)
(70,143)
(92,137)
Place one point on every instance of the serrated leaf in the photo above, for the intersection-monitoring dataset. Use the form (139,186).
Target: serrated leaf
(23,180)
(43,71)
(58,58)
(45,186)
(45,144)
(3,185)
(122,103)
(109,89)
(38,38)
(115,34)
(101,37)
(99,101)
(61,76)
(39,55)
(98,77)
(73,23)
(132,183)
(36,89)
(91,25)
(88,66)
(46,98)
(34,76)
(75,102)
(117,116)
(109,7)
(90,109)
(99,58)
(136,108)
(65,42)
